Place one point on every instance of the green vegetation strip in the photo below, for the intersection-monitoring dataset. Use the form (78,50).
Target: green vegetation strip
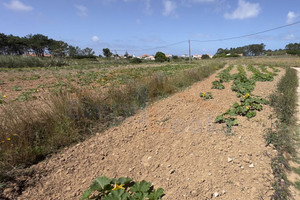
(243,87)
(284,102)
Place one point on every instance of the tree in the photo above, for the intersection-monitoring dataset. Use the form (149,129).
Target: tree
(88,52)
(205,56)
(106,52)
(58,48)
(160,57)
(293,48)
(38,43)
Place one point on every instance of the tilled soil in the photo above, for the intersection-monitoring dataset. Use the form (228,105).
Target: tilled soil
(175,144)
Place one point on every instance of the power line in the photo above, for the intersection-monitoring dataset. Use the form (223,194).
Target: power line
(212,40)
(247,35)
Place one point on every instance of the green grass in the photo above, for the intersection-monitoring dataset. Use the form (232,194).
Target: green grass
(30,61)
(282,134)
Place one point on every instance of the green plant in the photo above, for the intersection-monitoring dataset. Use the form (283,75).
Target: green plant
(283,100)
(217,85)
(206,95)
(121,189)
(17,88)
(160,57)
(135,60)
(27,95)
(225,75)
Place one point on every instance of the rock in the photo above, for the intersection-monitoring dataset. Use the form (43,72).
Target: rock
(216,194)
(251,165)
(172,171)
(229,159)
(223,192)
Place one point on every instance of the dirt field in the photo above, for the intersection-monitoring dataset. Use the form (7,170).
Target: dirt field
(174,144)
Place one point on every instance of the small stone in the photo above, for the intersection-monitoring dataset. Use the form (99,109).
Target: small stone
(251,165)
(223,192)
(209,174)
(242,167)
(229,159)
(216,194)
(172,171)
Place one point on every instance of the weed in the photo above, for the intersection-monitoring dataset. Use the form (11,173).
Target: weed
(281,136)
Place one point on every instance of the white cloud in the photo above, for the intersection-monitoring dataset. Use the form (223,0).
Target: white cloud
(291,16)
(17,5)
(169,8)
(81,10)
(244,10)
(148,7)
(289,37)
(95,38)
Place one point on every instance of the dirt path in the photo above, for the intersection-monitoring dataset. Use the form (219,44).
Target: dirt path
(175,145)
(292,176)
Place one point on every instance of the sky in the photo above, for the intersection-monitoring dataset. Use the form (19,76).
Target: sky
(147,26)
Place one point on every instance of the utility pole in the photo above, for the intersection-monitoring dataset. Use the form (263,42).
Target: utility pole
(189,51)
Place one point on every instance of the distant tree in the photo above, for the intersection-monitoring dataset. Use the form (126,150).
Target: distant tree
(175,57)
(126,54)
(205,56)
(293,48)
(160,57)
(38,43)
(58,48)
(88,52)
(107,53)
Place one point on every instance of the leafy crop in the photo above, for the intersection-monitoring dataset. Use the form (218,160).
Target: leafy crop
(206,95)
(225,75)
(259,76)
(217,85)
(121,189)
(249,103)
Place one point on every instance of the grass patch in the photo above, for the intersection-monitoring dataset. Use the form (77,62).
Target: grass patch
(30,61)
(284,102)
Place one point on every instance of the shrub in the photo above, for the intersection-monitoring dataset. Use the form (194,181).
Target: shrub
(135,60)
(160,57)
(205,56)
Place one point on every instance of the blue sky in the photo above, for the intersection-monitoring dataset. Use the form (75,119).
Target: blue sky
(138,26)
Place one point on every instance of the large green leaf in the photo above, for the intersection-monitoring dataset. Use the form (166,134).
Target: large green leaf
(143,187)
(117,195)
(123,180)
(156,194)
(101,183)
(86,194)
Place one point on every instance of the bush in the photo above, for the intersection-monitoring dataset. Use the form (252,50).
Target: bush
(205,56)
(135,60)
(160,57)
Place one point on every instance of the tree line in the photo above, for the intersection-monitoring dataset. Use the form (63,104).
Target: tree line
(40,45)
(257,50)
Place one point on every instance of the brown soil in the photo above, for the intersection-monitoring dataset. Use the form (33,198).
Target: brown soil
(174,144)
